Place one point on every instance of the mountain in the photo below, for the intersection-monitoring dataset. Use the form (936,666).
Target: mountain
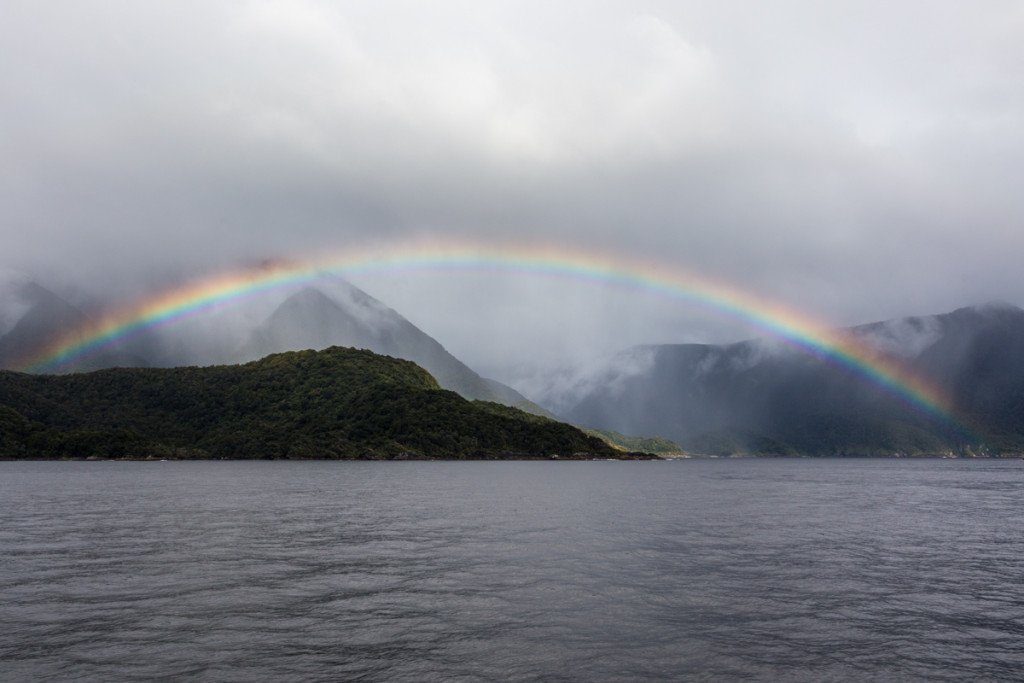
(758,396)
(337,403)
(310,319)
(763,397)
(31,315)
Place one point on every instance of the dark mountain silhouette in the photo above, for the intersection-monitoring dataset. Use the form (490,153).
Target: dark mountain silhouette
(763,397)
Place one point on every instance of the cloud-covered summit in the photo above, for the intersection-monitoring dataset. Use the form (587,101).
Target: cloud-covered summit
(857,160)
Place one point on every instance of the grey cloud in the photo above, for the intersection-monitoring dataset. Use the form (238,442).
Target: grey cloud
(857,160)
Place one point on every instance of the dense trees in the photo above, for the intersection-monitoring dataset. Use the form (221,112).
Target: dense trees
(337,403)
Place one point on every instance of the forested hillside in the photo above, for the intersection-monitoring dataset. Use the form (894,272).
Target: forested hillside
(336,403)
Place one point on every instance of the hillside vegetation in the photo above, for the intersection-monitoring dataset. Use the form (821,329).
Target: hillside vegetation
(646,444)
(336,403)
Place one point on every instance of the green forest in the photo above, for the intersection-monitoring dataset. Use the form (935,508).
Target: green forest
(331,404)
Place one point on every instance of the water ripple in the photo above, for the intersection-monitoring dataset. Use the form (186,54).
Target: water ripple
(703,570)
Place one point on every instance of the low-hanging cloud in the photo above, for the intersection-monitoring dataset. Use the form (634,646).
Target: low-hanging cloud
(858,161)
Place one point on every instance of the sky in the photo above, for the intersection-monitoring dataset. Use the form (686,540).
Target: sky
(855,160)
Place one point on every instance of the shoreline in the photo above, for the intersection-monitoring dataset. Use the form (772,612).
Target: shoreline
(625,457)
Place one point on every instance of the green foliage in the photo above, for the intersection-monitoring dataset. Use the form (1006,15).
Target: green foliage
(651,444)
(337,403)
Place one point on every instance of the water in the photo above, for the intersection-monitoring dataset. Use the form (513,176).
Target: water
(802,570)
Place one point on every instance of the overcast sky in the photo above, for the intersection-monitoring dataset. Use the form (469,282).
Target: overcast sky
(857,160)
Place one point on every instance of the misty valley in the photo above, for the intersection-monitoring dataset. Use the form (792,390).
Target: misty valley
(758,397)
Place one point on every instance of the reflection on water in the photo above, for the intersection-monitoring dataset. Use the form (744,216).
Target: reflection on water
(767,570)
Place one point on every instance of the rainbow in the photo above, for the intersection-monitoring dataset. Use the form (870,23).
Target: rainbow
(226,289)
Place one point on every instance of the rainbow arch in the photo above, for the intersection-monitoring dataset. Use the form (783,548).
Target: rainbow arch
(228,288)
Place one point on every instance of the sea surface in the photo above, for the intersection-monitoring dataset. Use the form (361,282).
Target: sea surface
(773,570)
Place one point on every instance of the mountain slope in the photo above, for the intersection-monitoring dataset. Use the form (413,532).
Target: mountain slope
(31,315)
(337,403)
(762,397)
(38,315)
(310,319)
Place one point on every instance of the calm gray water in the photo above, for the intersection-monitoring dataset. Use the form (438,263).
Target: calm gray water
(575,571)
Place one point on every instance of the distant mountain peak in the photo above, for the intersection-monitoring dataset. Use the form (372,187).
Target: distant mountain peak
(997,306)
(348,316)
(902,337)
(10,278)
(309,302)
(746,397)
(311,295)
(31,316)
(15,300)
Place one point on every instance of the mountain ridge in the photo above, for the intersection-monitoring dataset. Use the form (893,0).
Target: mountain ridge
(44,316)
(306,319)
(339,403)
(760,397)
(311,319)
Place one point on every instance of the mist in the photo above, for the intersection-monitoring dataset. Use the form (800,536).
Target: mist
(859,161)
